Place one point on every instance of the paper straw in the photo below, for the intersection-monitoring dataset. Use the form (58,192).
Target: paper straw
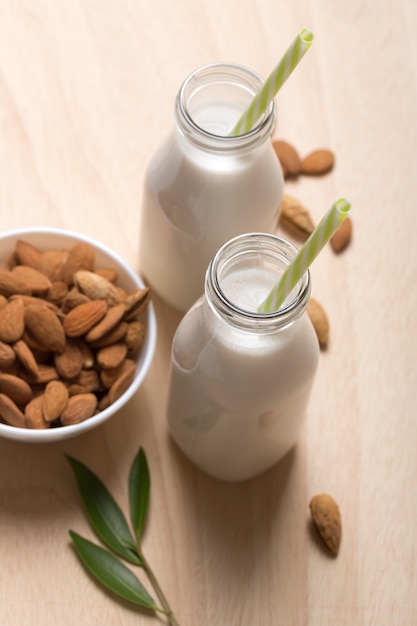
(306,255)
(274,82)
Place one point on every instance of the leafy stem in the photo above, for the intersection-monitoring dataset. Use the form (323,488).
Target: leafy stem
(111,527)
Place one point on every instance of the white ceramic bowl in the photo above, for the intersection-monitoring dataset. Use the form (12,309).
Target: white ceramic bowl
(56,239)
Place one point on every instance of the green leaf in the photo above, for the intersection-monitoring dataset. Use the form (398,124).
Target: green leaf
(104,513)
(111,572)
(139,489)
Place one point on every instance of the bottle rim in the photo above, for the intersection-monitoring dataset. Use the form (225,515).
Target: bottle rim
(247,245)
(238,75)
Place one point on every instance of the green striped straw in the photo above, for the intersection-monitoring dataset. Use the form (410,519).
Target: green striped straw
(274,82)
(306,255)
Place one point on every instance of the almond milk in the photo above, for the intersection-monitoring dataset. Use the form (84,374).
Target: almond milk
(203,187)
(240,380)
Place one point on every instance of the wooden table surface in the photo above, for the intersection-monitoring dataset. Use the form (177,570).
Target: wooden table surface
(86,94)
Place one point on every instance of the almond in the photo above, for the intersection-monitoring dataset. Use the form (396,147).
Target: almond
(80,257)
(10,283)
(12,321)
(108,377)
(55,400)
(296,217)
(320,321)
(11,413)
(45,374)
(69,362)
(16,388)
(52,263)
(7,356)
(135,336)
(86,382)
(108,273)
(57,292)
(111,356)
(79,408)
(342,236)
(3,301)
(135,302)
(81,319)
(317,162)
(87,354)
(45,327)
(96,287)
(26,357)
(35,281)
(109,321)
(121,384)
(288,157)
(73,299)
(33,414)
(27,254)
(327,520)
(116,334)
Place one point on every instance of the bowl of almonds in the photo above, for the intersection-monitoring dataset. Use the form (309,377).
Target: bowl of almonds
(77,334)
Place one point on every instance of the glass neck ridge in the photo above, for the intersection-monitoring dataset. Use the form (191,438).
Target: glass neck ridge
(225,89)
(262,252)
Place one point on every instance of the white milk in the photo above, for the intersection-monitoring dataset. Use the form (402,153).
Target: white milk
(203,188)
(238,391)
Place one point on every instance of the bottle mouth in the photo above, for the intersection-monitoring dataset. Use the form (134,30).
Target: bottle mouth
(262,251)
(228,85)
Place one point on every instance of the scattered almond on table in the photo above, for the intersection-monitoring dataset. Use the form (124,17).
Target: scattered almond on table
(69,336)
(327,520)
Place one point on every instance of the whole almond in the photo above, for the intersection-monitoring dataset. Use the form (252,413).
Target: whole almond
(27,254)
(108,273)
(317,162)
(288,157)
(87,381)
(26,357)
(135,302)
(12,321)
(69,362)
(16,388)
(35,281)
(121,384)
(10,284)
(87,354)
(57,292)
(327,520)
(320,321)
(10,412)
(73,299)
(45,327)
(342,236)
(96,287)
(111,356)
(135,335)
(106,324)
(55,400)
(115,335)
(108,377)
(52,263)
(79,408)
(80,257)
(33,414)
(81,319)
(45,373)
(296,217)
(7,356)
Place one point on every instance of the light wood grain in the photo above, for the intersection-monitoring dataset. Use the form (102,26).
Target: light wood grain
(86,94)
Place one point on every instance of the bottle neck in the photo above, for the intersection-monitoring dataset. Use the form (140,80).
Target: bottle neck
(240,276)
(210,102)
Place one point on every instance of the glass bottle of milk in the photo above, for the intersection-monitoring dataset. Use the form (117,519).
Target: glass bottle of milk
(203,187)
(240,380)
